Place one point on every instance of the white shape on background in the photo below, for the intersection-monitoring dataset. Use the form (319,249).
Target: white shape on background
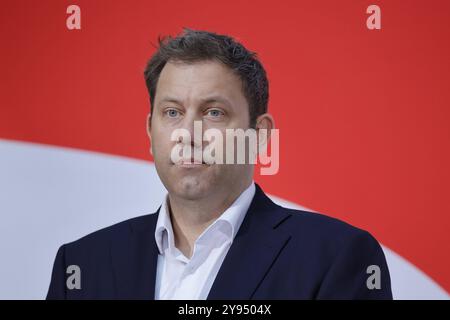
(53,195)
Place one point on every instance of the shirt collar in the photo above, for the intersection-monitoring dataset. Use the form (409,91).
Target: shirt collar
(233,216)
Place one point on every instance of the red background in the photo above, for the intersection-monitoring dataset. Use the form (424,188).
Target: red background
(363,114)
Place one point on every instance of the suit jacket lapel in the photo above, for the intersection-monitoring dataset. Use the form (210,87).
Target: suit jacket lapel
(254,250)
(134,260)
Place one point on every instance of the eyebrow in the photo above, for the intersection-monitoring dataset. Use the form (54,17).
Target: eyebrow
(208,99)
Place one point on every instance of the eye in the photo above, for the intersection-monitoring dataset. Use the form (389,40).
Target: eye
(215,113)
(172,113)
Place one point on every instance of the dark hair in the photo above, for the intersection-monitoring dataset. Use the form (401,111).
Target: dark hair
(194,46)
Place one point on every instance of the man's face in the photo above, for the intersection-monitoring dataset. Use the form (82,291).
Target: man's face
(203,91)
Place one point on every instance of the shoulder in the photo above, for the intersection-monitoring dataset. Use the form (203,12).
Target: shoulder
(100,240)
(325,233)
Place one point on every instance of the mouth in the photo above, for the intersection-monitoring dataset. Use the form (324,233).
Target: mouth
(190,163)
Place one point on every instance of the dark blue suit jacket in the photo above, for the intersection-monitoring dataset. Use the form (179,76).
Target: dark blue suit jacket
(278,253)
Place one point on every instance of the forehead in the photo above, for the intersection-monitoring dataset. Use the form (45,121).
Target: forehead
(191,81)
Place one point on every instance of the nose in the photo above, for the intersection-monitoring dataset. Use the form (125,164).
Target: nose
(193,124)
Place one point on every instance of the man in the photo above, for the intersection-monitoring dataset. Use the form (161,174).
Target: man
(217,235)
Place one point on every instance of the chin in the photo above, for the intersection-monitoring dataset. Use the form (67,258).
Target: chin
(192,187)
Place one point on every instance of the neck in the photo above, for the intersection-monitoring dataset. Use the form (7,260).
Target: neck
(191,217)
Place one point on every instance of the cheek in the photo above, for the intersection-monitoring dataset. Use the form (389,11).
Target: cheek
(241,122)
(161,142)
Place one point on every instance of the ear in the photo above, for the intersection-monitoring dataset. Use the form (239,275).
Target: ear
(148,126)
(264,121)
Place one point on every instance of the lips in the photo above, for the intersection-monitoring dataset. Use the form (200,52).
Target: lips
(187,165)
(190,162)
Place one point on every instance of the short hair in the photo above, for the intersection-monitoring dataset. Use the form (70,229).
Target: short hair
(195,46)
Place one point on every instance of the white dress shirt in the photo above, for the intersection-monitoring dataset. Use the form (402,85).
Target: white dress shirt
(179,277)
